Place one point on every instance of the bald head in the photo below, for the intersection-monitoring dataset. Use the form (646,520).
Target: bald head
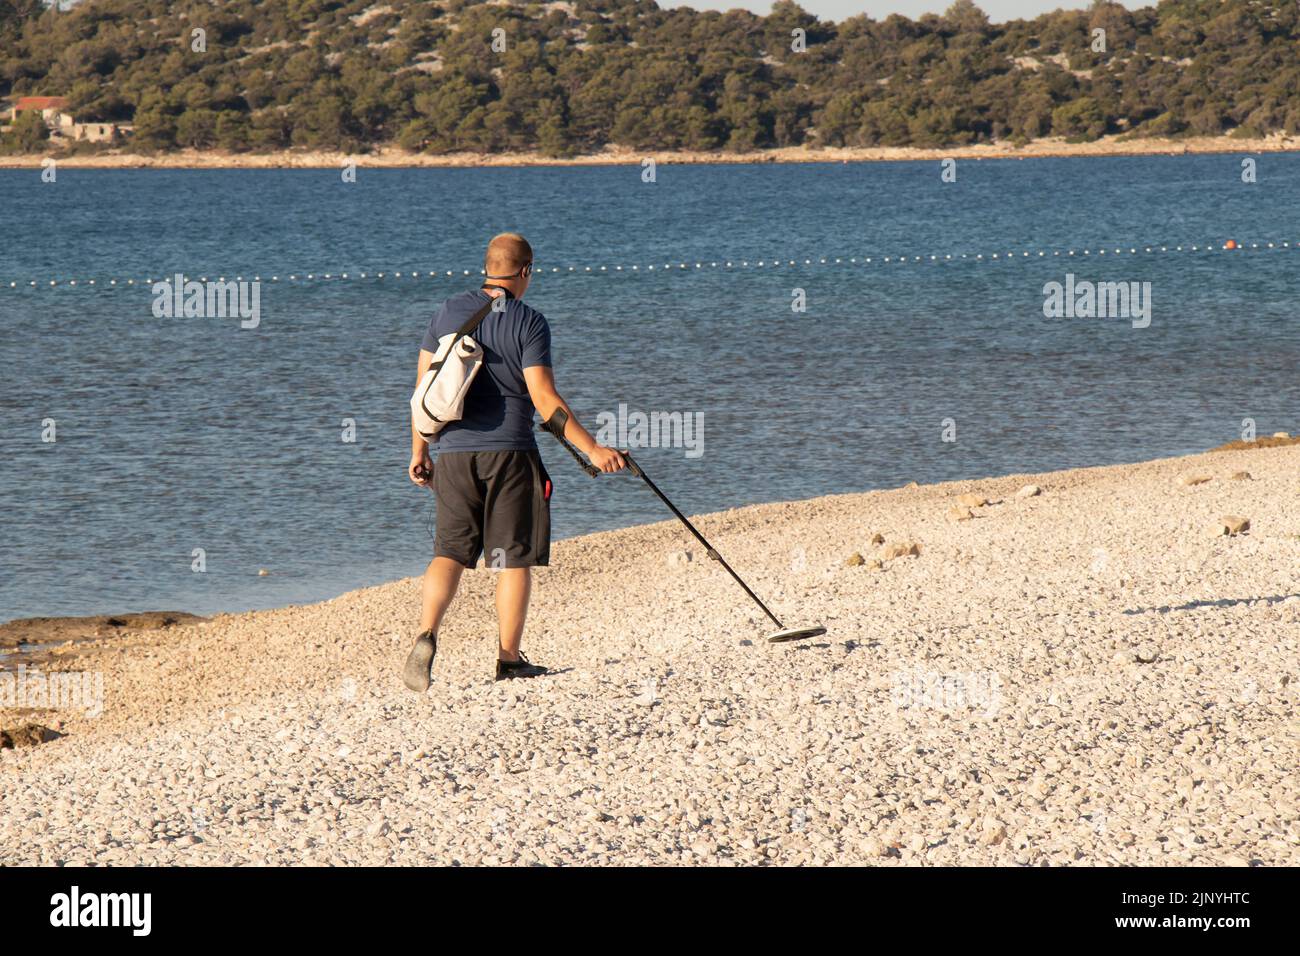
(507,253)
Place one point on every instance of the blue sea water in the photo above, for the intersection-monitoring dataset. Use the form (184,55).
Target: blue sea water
(184,433)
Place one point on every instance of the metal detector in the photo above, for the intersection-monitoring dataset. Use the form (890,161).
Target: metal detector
(555,425)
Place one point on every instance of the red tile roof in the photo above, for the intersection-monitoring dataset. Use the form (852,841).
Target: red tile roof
(40,103)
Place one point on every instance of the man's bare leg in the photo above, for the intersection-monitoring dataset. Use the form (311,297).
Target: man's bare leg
(441,579)
(514,585)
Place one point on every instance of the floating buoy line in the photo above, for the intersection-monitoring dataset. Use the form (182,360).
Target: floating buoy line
(701,265)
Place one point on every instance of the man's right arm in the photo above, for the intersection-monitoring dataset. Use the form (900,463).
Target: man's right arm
(541,389)
(421,466)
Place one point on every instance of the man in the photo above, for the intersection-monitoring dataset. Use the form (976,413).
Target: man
(493,493)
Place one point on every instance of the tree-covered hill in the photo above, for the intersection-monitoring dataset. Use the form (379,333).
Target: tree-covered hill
(575,76)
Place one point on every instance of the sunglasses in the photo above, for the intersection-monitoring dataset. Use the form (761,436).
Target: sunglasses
(523,273)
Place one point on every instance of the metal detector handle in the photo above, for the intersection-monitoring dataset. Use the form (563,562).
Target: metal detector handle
(632,466)
(555,425)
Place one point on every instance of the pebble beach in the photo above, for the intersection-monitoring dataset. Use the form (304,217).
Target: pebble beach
(1088,667)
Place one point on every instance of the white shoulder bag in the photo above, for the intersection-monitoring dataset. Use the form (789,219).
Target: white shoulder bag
(440,396)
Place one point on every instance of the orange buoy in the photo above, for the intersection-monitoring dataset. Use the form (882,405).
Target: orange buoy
(1230,244)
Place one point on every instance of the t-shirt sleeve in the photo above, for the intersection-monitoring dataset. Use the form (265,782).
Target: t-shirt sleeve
(536,342)
(430,342)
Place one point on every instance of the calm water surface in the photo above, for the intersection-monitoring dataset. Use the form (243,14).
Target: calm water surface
(177,434)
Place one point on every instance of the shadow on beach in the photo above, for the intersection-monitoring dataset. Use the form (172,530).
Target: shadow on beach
(1221,602)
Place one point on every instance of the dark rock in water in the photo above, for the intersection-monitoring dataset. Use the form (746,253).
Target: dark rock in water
(28,735)
(55,630)
(1262,441)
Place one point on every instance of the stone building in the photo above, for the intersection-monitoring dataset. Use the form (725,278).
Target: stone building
(62,124)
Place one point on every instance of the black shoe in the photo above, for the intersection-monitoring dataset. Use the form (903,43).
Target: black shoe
(418,670)
(507,670)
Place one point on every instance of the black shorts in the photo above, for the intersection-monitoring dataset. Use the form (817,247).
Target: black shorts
(493,503)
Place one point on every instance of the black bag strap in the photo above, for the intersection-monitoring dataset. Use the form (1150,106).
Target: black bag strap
(471,324)
(475,320)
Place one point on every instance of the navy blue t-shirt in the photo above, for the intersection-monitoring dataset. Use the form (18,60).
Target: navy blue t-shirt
(498,412)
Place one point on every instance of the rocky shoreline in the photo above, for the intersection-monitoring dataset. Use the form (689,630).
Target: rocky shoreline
(57,630)
(389,157)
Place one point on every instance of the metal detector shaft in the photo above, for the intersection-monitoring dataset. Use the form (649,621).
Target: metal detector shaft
(636,470)
(555,425)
